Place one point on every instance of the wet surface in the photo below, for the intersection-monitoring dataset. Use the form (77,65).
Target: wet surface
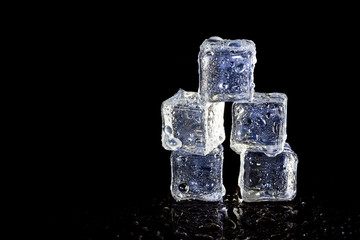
(163,218)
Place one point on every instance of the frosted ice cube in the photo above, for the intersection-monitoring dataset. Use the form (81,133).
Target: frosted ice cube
(191,124)
(196,177)
(264,178)
(260,124)
(226,69)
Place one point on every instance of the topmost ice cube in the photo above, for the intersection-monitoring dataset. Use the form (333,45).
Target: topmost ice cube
(226,70)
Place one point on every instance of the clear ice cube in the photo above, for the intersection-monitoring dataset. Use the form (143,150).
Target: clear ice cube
(260,124)
(197,177)
(191,124)
(264,178)
(226,69)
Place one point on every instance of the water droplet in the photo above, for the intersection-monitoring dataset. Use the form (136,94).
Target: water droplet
(276,127)
(190,138)
(215,39)
(260,121)
(168,129)
(211,114)
(173,142)
(246,54)
(240,68)
(209,53)
(180,158)
(248,121)
(235,88)
(234,44)
(183,187)
(224,85)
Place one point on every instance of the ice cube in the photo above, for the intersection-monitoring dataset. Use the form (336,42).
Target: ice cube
(197,177)
(264,178)
(226,69)
(191,124)
(260,124)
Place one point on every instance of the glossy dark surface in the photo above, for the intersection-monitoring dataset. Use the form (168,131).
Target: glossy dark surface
(162,218)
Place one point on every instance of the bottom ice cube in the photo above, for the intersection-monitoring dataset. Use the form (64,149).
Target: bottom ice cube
(196,177)
(264,178)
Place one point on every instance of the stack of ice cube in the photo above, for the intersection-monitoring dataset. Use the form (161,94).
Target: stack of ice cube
(193,128)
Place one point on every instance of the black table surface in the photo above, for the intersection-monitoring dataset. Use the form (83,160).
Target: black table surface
(306,217)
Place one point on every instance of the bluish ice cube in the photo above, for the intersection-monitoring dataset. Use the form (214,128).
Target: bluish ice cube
(264,178)
(226,69)
(260,124)
(190,124)
(196,177)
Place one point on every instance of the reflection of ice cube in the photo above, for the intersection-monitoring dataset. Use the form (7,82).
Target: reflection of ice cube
(198,220)
(260,124)
(190,124)
(264,178)
(197,177)
(226,69)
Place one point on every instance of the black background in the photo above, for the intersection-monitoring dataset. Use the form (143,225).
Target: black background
(113,68)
